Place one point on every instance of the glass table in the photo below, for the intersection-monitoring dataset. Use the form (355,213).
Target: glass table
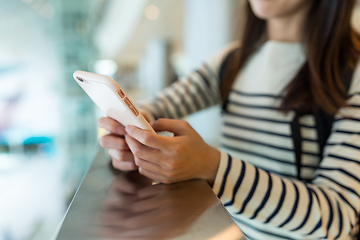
(110,204)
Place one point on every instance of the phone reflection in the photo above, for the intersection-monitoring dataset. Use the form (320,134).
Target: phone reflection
(136,209)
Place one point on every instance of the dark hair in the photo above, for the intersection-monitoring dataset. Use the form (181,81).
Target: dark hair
(332,47)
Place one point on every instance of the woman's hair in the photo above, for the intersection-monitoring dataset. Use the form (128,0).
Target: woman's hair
(332,47)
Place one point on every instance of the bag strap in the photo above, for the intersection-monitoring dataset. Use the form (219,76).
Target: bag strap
(297,140)
(223,69)
(323,125)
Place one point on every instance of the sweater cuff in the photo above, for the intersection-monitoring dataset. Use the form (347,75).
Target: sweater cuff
(221,172)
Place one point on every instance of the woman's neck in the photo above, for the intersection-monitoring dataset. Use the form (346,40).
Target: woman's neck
(287,28)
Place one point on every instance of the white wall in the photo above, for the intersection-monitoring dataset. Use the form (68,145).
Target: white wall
(153,67)
(209,26)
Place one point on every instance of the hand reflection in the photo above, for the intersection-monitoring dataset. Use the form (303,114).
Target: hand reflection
(134,209)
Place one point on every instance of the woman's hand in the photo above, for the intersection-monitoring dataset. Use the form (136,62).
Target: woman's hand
(172,159)
(122,157)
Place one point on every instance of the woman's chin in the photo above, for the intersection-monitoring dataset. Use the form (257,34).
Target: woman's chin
(264,11)
(264,15)
(268,9)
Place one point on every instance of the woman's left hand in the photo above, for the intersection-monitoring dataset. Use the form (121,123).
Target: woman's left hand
(172,159)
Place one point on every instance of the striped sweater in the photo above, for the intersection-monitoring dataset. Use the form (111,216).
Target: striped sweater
(257,177)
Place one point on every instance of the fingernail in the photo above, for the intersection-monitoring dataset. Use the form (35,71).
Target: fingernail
(127,128)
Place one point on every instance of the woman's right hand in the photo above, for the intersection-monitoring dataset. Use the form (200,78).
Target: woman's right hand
(118,150)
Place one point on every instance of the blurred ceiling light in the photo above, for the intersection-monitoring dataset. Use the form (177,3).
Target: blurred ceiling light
(105,67)
(152,12)
(47,11)
(27,1)
(36,4)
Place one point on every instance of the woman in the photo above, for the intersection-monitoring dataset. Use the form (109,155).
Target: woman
(292,64)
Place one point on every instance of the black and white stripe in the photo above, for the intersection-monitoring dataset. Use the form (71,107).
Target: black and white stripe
(257,177)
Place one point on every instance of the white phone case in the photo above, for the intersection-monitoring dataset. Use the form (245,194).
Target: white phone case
(111,99)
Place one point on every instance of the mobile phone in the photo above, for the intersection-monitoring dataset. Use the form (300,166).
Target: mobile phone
(111,99)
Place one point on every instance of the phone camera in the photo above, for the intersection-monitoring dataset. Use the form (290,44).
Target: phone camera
(80,79)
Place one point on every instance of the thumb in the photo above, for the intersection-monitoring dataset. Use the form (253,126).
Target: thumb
(178,127)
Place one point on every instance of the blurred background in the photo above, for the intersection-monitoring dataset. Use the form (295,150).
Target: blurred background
(48,126)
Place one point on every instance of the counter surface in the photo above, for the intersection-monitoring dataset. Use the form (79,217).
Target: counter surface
(114,205)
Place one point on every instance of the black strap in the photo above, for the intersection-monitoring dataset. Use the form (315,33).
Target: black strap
(324,122)
(297,140)
(223,69)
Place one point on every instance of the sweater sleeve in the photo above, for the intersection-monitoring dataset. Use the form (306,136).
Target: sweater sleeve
(325,208)
(197,91)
